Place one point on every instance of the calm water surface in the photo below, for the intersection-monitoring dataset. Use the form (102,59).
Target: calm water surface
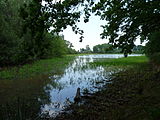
(30,98)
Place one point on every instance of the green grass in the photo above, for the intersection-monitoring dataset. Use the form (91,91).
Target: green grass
(129,61)
(45,66)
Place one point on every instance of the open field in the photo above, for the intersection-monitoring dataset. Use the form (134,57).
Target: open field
(129,61)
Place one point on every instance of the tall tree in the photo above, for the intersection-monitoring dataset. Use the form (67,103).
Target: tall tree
(34,25)
(128,19)
(8,32)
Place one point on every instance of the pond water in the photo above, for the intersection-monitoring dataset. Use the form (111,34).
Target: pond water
(50,93)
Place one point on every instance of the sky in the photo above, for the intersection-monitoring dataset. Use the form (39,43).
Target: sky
(92,31)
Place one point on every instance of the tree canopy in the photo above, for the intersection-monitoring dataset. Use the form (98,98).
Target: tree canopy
(25,35)
(105,48)
(126,19)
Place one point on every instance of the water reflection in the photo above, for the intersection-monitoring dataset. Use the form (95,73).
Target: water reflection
(78,74)
(107,56)
(23,99)
(49,94)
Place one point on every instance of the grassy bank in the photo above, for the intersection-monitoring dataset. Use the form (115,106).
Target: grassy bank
(129,61)
(133,94)
(38,67)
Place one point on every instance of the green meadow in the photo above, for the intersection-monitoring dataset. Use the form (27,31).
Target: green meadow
(129,61)
(38,67)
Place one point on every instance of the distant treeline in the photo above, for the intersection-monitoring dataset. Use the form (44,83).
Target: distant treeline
(24,34)
(107,48)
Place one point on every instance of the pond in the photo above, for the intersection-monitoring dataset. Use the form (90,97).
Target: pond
(50,93)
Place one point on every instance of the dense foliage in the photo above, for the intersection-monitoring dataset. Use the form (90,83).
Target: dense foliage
(152,47)
(86,50)
(108,48)
(139,49)
(9,32)
(105,48)
(25,35)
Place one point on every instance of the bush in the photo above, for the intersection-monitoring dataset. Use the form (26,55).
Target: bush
(155,58)
(59,46)
(152,47)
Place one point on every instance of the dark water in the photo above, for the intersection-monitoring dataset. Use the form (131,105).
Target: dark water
(49,94)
